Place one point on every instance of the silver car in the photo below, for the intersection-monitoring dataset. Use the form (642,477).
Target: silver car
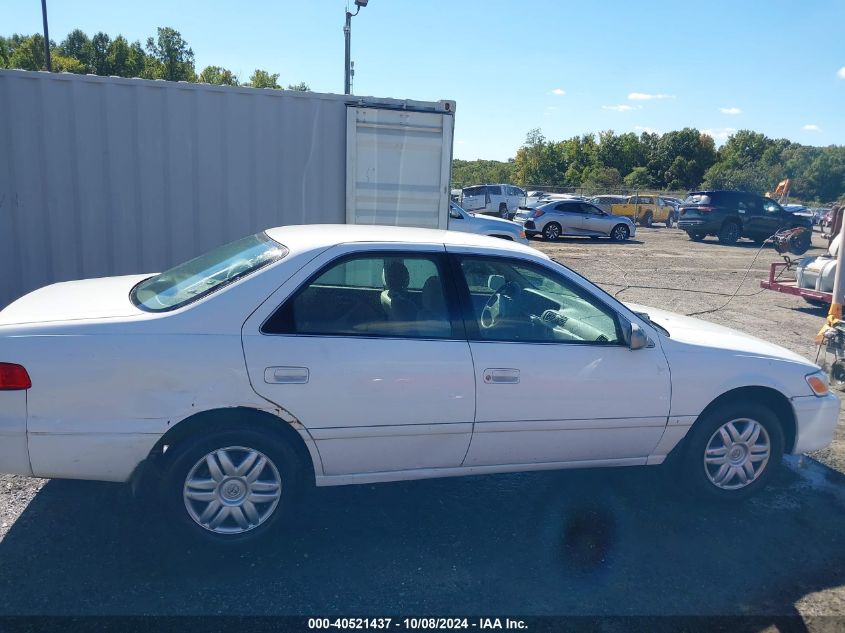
(460,220)
(574,217)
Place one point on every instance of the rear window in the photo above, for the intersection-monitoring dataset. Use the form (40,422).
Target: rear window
(697,198)
(207,273)
(474,191)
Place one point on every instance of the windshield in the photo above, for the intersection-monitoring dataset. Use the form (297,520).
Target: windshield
(204,274)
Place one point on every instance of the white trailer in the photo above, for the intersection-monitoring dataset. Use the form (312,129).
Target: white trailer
(105,176)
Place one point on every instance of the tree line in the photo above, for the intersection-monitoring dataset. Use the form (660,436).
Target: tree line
(166,56)
(680,160)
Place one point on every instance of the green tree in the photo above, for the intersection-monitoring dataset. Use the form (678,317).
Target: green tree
(638,179)
(5,51)
(170,56)
(78,46)
(263,79)
(27,52)
(218,75)
(124,60)
(300,87)
(100,44)
(599,177)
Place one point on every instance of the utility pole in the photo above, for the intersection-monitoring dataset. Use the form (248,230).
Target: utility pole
(46,37)
(347,34)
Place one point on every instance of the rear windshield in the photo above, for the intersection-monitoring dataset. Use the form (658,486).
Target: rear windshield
(697,198)
(204,274)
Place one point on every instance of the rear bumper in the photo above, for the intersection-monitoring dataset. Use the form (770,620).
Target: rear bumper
(815,421)
(14,453)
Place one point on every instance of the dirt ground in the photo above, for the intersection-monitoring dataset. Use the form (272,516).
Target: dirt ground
(683,276)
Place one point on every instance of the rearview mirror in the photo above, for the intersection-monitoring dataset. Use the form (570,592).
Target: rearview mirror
(637,339)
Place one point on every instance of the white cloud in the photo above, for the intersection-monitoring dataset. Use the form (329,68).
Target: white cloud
(730,110)
(811,127)
(559,92)
(644,96)
(720,135)
(841,73)
(647,130)
(618,108)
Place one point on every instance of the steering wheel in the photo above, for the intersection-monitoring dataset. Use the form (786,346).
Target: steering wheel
(498,304)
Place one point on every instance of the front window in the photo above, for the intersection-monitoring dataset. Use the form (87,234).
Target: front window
(207,273)
(520,302)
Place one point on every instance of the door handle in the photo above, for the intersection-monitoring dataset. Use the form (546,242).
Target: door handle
(501,376)
(286,375)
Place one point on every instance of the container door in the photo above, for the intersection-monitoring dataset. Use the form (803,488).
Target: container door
(398,167)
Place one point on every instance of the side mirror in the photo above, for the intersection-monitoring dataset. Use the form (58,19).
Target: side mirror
(637,339)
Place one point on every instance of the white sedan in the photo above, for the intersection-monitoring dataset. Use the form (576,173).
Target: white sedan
(352,354)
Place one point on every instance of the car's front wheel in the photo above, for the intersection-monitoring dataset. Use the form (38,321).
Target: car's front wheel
(620,233)
(732,451)
(231,486)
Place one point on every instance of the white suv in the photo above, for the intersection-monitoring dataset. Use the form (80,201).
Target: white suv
(501,200)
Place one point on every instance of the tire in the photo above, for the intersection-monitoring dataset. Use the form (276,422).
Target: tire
(669,222)
(696,236)
(647,220)
(551,231)
(503,211)
(620,233)
(716,460)
(801,243)
(221,489)
(729,233)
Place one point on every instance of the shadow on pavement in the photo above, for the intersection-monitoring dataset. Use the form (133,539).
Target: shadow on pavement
(617,541)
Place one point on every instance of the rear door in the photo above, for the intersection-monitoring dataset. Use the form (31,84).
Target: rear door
(398,167)
(362,348)
(570,216)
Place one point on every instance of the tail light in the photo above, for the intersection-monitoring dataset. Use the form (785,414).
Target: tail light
(538,213)
(13,377)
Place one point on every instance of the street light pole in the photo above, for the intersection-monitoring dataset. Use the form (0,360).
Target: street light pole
(47,60)
(347,34)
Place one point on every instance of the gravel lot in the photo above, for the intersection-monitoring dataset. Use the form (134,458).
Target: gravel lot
(614,541)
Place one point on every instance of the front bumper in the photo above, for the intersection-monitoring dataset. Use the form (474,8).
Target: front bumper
(815,421)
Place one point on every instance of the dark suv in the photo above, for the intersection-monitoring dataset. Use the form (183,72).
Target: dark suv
(730,215)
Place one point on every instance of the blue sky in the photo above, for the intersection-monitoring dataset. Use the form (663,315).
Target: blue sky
(566,67)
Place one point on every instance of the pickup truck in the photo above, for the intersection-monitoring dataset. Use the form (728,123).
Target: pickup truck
(645,210)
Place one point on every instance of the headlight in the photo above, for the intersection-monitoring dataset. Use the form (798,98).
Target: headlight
(818,382)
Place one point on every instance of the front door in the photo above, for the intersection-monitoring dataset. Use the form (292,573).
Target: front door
(555,378)
(367,356)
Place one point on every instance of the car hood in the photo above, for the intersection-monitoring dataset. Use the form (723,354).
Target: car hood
(684,329)
(106,297)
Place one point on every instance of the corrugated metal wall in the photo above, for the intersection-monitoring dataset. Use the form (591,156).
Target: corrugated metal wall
(106,176)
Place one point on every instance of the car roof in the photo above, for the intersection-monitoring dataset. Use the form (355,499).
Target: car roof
(305,237)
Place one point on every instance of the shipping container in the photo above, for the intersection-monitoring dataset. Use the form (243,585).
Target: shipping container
(106,176)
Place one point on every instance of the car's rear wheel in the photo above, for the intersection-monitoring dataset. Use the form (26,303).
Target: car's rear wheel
(230,486)
(729,233)
(503,211)
(620,233)
(669,222)
(552,231)
(646,220)
(733,450)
